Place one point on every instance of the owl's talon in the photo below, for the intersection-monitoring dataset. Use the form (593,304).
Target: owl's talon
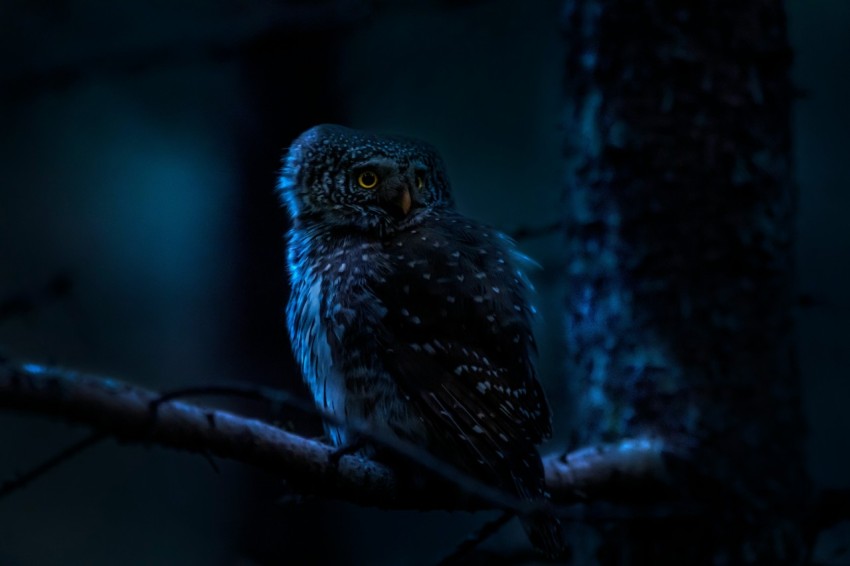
(344,450)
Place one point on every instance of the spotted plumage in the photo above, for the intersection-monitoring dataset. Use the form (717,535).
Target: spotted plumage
(408,316)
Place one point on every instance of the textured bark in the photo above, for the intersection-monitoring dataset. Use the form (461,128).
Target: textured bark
(681,203)
(613,472)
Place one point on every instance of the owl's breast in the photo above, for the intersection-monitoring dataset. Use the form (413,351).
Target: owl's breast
(337,316)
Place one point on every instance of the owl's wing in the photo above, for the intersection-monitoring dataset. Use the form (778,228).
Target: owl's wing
(476,417)
(460,347)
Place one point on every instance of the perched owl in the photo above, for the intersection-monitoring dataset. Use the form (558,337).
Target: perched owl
(408,316)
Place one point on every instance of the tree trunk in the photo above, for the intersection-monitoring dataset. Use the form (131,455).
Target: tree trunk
(680,269)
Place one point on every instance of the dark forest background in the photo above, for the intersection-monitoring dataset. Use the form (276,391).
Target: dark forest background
(139,147)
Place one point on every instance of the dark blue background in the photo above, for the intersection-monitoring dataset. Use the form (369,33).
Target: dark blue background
(139,143)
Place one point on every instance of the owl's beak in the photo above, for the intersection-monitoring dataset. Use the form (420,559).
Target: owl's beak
(404,201)
(398,201)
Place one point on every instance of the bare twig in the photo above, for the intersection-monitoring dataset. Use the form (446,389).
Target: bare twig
(489,529)
(34,473)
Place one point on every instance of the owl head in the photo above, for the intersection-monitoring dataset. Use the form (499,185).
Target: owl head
(338,176)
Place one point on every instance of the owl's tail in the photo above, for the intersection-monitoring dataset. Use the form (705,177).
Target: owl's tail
(545,533)
(544,529)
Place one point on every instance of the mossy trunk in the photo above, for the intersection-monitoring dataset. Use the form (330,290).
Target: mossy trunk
(681,206)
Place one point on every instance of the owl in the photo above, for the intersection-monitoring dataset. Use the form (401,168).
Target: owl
(409,317)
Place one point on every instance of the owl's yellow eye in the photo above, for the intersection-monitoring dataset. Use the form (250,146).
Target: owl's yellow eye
(367,179)
(420,181)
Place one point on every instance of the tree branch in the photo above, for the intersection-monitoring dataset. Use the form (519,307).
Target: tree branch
(125,412)
(608,471)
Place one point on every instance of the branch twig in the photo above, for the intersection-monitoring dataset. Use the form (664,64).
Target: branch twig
(469,544)
(32,474)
